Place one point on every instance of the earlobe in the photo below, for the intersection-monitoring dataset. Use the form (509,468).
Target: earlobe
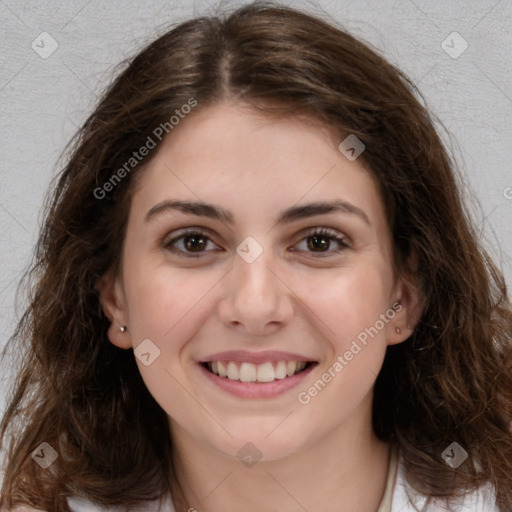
(112,301)
(410,299)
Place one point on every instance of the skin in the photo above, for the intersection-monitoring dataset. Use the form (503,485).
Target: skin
(291,298)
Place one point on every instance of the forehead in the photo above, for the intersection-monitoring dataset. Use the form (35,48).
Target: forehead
(256,164)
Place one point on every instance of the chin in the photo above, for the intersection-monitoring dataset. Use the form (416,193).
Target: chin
(258,445)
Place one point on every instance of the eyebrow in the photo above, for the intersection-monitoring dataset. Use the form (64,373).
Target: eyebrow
(202,209)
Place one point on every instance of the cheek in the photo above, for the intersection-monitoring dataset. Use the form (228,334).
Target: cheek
(351,312)
(166,307)
(162,300)
(347,301)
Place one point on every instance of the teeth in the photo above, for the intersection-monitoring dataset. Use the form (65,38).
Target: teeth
(291,366)
(249,372)
(221,370)
(233,372)
(280,371)
(265,372)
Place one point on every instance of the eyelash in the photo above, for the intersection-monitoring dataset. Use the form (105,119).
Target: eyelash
(325,232)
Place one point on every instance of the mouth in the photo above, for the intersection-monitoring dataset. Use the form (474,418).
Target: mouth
(266,372)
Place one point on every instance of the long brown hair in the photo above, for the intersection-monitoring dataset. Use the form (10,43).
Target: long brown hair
(450,381)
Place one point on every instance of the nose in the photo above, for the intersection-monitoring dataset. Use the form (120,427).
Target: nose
(256,299)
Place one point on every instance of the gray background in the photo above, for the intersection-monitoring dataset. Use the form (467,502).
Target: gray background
(44,100)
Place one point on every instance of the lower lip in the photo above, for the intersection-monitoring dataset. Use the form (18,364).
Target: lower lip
(257,389)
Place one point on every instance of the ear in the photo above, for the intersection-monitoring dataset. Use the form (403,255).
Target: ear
(113,303)
(408,308)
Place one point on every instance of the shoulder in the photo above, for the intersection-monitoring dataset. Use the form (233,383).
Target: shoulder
(22,508)
(77,504)
(481,500)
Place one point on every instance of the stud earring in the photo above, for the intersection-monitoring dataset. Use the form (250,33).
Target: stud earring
(398,330)
(123,328)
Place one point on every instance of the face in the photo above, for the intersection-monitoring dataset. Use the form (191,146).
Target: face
(256,245)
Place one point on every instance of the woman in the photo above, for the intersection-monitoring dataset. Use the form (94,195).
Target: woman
(257,288)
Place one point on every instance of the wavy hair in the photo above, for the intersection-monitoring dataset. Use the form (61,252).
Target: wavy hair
(450,381)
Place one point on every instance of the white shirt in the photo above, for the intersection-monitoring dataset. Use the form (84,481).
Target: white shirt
(395,498)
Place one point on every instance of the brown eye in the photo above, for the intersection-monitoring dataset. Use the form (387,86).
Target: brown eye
(320,241)
(194,243)
(190,243)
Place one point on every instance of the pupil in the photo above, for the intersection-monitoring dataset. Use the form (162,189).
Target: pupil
(191,240)
(319,242)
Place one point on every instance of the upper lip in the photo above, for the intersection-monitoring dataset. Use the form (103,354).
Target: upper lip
(245,356)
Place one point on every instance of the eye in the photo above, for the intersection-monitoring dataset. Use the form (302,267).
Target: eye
(319,241)
(191,243)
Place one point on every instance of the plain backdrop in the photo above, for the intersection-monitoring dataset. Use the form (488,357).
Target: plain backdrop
(57,57)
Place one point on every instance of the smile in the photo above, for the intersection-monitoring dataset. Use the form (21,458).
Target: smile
(250,372)
(242,379)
